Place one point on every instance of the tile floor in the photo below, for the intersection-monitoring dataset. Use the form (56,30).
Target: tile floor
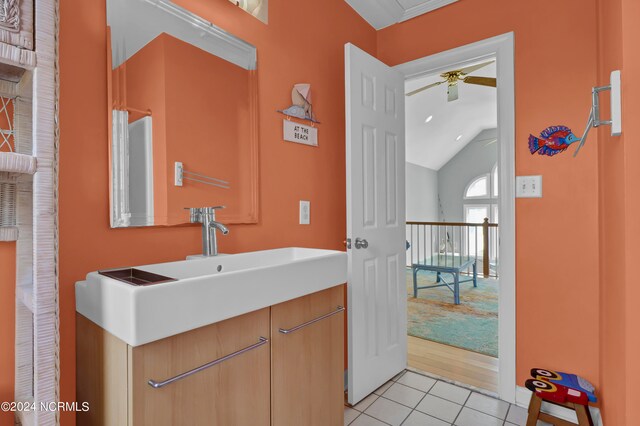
(411,399)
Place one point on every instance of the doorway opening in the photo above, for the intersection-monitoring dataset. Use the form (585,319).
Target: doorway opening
(452,194)
(460,165)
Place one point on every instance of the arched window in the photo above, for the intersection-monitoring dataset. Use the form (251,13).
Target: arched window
(478,188)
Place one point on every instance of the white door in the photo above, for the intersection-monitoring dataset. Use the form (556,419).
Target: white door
(377,294)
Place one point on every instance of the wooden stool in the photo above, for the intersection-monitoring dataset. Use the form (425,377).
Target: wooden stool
(582,411)
(562,389)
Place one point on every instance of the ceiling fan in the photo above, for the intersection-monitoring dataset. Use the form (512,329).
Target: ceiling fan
(453,77)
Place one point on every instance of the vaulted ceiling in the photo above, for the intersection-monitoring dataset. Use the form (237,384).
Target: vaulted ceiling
(436,130)
(382,13)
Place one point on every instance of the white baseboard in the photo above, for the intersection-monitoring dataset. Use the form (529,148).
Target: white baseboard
(523,395)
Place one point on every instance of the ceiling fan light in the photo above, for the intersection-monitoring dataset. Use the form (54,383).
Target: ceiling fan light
(428,119)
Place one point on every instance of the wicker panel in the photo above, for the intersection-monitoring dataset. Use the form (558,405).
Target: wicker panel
(16,23)
(8,192)
(17,163)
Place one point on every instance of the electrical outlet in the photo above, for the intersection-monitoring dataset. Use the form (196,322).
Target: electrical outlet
(305,212)
(529,186)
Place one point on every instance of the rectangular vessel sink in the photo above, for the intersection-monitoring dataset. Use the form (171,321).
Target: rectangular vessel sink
(205,290)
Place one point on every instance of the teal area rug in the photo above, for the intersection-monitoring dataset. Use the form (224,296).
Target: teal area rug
(472,325)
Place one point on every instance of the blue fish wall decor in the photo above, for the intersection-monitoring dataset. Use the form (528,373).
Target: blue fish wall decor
(553,140)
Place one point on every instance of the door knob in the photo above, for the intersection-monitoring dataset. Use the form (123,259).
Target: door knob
(361,243)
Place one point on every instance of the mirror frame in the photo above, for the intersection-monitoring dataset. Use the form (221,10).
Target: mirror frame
(231,49)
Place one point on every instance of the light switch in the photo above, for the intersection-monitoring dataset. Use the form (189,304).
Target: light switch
(305,212)
(529,186)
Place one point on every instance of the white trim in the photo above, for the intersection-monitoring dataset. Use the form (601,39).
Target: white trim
(502,48)
(188,27)
(383,13)
(523,396)
(423,8)
(244,52)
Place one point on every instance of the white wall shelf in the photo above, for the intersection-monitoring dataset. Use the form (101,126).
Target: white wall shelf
(13,162)
(18,57)
(8,233)
(33,167)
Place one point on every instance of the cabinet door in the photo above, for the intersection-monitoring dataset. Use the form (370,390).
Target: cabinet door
(307,338)
(234,391)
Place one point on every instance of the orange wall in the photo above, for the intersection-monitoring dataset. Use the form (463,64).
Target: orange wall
(631,108)
(7,325)
(557,270)
(140,83)
(201,121)
(208,130)
(620,201)
(612,228)
(7,311)
(303,42)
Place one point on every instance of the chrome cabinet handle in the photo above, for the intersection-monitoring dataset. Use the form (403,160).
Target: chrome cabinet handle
(361,243)
(154,384)
(313,321)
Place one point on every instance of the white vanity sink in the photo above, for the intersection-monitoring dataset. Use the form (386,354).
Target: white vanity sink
(205,291)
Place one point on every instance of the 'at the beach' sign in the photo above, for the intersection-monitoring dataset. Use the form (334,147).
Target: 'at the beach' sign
(299,133)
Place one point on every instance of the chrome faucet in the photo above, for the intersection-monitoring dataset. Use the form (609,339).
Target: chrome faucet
(207,217)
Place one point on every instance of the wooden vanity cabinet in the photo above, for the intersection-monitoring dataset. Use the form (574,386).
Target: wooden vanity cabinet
(113,376)
(292,377)
(307,360)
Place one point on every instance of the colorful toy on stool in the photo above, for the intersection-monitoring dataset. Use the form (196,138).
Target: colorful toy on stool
(566,390)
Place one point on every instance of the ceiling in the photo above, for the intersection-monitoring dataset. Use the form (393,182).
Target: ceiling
(433,144)
(382,13)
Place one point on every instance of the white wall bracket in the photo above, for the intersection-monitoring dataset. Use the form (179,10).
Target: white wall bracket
(615,89)
(180,177)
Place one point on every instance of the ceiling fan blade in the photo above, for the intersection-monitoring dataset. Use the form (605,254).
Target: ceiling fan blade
(473,68)
(453,93)
(425,88)
(481,81)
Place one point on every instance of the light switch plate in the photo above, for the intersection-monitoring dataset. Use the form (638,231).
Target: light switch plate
(529,186)
(305,212)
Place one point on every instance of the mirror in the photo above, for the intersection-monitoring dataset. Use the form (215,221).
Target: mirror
(183,116)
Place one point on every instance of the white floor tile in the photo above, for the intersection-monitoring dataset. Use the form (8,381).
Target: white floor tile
(417,381)
(420,419)
(364,420)
(388,411)
(404,395)
(451,392)
(365,403)
(517,415)
(439,408)
(488,405)
(383,388)
(350,415)
(469,417)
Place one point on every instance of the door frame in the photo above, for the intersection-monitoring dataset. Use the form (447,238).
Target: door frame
(502,48)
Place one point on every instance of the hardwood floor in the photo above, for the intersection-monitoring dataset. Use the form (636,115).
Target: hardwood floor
(452,363)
